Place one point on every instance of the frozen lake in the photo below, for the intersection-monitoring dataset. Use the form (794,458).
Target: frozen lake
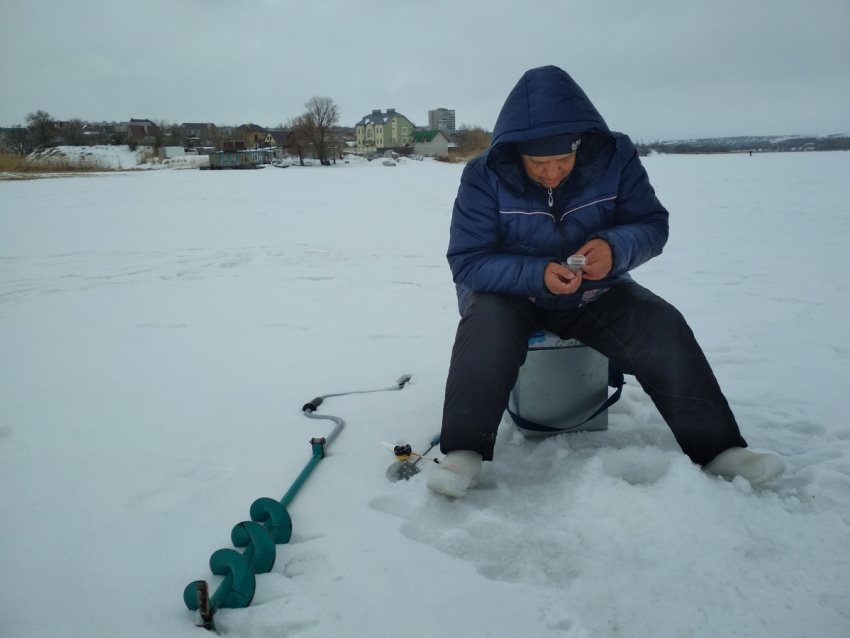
(160,332)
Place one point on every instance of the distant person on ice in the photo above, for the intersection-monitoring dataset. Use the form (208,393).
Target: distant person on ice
(557,182)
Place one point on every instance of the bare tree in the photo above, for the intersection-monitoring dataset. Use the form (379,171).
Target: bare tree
(170,134)
(214,135)
(19,140)
(41,127)
(315,125)
(161,134)
(118,138)
(336,144)
(297,143)
(472,140)
(73,132)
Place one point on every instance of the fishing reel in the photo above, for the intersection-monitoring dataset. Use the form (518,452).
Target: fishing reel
(402,469)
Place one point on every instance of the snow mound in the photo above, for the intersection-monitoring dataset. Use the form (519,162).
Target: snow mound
(110,158)
(106,157)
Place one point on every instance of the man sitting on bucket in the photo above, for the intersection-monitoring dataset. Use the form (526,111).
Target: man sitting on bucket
(556,183)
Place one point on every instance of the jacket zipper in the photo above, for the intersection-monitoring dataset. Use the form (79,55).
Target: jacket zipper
(553,303)
(566,240)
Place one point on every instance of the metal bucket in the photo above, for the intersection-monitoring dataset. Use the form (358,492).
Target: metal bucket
(561,384)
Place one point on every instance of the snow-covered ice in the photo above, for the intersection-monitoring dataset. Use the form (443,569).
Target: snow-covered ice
(160,332)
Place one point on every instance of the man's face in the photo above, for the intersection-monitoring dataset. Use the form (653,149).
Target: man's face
(549,171)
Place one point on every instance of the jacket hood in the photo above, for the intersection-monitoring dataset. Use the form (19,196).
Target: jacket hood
(546,101)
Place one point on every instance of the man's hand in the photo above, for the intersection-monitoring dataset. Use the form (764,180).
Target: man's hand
(600,259)
(560,280)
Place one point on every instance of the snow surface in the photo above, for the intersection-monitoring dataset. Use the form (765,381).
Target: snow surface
(160,332)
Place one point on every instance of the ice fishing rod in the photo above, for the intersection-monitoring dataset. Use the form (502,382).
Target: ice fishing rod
(312,406)
(309,411)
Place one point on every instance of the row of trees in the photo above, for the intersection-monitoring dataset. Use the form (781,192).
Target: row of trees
(42,131)
(316,130)
(748,144)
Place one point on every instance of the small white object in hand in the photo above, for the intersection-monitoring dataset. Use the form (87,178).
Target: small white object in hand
(574,262)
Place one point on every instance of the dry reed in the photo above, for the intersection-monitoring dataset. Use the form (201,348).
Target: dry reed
(50,161)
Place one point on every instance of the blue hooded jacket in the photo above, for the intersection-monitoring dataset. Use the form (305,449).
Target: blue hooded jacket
(504,231)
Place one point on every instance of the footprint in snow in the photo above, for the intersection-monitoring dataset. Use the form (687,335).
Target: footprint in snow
(636,466)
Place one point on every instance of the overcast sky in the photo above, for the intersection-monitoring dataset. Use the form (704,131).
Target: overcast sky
(655,69)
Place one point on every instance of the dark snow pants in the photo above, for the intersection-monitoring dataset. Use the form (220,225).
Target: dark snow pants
(644,334)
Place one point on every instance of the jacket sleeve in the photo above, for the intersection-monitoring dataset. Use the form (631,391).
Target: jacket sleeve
(475,239)
(641,227)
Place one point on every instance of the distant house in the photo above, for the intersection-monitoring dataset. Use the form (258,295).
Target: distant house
(251,134)
(430,143)
(380,131)
(237,159)
(262,155)
(233,146)
(95,134)
(278,137)
(279,141)
(143,132)
(199,134)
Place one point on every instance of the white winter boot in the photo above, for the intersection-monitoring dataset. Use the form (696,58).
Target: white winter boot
(737,461)
(457,473)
